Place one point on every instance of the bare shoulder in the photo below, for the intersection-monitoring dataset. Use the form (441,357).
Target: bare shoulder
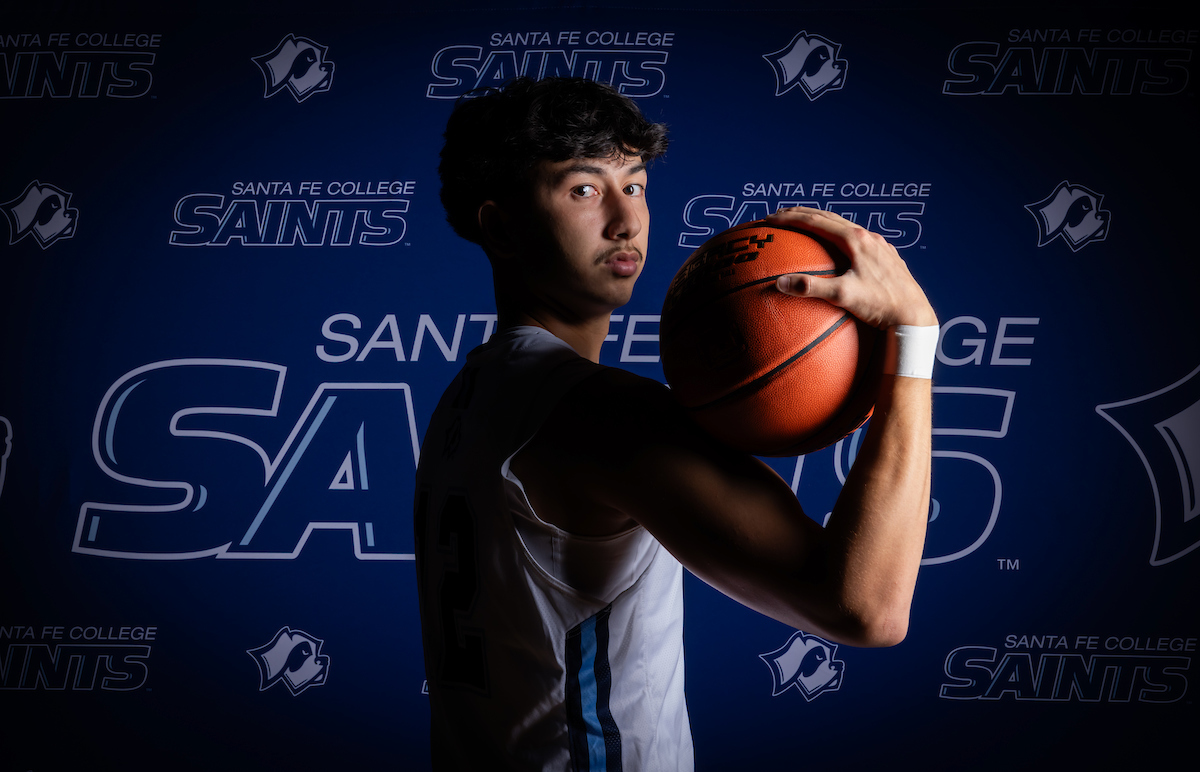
(619,399)
(587,445)
(614,421)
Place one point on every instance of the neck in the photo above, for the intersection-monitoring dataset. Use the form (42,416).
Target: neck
(585,335)
(580,323)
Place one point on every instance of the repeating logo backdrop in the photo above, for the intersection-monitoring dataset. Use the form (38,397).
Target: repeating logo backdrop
(231,303)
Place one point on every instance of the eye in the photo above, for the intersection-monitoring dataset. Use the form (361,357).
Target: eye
(635,189)
(585,191)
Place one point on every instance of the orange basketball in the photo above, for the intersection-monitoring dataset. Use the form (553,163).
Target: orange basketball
(765,372)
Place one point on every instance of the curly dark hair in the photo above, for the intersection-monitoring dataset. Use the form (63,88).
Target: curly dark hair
(495,137)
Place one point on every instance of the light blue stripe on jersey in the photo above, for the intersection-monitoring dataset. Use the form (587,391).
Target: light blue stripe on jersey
(587,694)
(594,737)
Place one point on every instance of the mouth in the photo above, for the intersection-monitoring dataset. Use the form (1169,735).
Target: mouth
(623,262)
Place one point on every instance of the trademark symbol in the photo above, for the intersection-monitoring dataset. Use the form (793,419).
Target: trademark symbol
(1008,564)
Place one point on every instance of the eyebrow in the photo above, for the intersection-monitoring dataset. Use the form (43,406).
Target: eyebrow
(583,167)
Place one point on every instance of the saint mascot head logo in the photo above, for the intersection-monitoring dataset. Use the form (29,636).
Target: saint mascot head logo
(293,657)
(807,663)
(298,65)
(811,62)
(43,211)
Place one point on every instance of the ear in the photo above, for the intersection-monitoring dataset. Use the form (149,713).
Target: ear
(497,229)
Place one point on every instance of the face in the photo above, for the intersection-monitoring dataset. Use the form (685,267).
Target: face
(587,233)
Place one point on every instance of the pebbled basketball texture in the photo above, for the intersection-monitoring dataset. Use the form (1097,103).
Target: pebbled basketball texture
(765,372)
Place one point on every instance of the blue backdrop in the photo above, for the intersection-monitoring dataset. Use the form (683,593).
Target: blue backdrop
(231,303)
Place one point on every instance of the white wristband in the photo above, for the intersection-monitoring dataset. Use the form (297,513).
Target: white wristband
(910,351)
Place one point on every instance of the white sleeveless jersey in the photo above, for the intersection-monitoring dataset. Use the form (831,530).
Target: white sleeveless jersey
(543,650)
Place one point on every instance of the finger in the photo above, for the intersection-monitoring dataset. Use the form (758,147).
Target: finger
(818,221)
(805,286)
(785,212)
(801,214)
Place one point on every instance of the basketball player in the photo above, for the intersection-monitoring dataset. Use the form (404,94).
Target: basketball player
(557,498)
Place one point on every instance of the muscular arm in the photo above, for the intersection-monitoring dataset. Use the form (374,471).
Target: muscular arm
(618,449)
(879,518)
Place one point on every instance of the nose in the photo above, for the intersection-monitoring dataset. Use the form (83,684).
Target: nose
(624,217)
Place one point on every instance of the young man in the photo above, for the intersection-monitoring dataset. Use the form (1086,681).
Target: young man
(557,499)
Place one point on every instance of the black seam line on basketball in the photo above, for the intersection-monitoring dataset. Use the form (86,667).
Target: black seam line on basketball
(764,379)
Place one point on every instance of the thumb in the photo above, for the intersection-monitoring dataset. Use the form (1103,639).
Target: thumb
(803,285)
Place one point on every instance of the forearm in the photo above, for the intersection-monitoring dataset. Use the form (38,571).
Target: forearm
(876,534)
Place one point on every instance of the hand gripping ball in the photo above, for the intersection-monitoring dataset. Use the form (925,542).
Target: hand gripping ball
(765,372)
